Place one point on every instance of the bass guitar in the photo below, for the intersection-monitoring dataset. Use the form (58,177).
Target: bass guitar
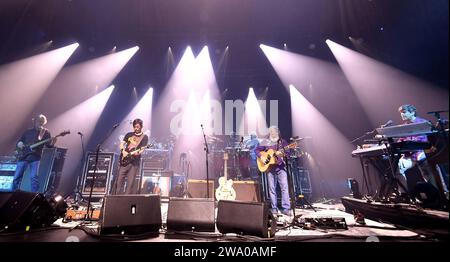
(130,156)
(269,157)
(22,153)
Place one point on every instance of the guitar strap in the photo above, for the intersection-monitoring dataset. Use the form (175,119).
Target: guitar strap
(139,140)
(41,133)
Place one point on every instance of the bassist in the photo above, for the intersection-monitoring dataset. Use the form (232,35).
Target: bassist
(127,173)
(31,136)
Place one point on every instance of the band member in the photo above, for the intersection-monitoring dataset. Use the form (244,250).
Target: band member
(407,161)
(127,174)
(251,145)
(277,173)
(29,137)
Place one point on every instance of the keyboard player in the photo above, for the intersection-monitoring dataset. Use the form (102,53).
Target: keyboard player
(407,161)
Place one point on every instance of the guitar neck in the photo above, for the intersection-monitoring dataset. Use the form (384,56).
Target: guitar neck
(225,170)
(40,143)
(139,149)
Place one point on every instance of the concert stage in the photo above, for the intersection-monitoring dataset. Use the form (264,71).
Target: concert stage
(372,230)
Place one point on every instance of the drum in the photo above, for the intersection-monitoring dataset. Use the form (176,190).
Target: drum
(245,162)
(216,163)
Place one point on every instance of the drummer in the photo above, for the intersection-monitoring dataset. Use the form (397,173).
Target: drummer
(251,145)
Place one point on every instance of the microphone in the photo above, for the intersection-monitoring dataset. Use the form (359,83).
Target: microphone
(81,134)
(434,112)
(388,123)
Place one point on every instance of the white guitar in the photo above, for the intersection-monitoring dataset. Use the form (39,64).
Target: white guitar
(225,191)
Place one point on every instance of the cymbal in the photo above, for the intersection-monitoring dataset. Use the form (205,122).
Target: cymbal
(213,138)
(297,138)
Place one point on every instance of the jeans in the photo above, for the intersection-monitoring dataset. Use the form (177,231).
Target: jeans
(125,180)
(279,176)
(20,170)
(406,163)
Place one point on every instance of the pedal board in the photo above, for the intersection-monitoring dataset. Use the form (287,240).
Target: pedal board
(338,223)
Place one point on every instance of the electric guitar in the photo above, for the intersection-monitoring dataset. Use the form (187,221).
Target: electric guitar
(126,159)
(225,191)
(22,153)
(269,157)
(156,188)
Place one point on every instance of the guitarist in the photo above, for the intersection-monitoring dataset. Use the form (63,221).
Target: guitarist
(128,173)
(31,136)
(277,173)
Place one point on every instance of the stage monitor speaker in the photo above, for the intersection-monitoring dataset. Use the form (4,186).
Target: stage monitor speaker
(191,214)
(247,191)
(197,188)
(246,218)
(131,214)
(23,211)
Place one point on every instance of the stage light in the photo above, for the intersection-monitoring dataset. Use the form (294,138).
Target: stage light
(24,83)
(307,121)
(78,80)
(182,107)
(58,205)
(381,88)
(81,118)
(141,110)
(254,116)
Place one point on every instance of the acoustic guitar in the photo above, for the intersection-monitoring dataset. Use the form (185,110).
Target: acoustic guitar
(269,157)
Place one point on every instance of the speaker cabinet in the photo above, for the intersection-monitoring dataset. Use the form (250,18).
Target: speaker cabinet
(247,218)
(197,188)
(49,171)
(20,211)
(247,191)
(131,214)
(191,214)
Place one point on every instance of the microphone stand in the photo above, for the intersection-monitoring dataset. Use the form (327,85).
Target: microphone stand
(292,194)
(361,137)
(77,190)
(207,164)
(97,152)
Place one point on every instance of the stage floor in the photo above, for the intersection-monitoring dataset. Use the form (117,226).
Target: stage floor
(371,231)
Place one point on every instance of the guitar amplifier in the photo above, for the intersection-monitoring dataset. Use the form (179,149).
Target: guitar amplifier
(7,169)
(102,175)
(156,182)
(197,189)
(152,159)
(247,191)
(49,171)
